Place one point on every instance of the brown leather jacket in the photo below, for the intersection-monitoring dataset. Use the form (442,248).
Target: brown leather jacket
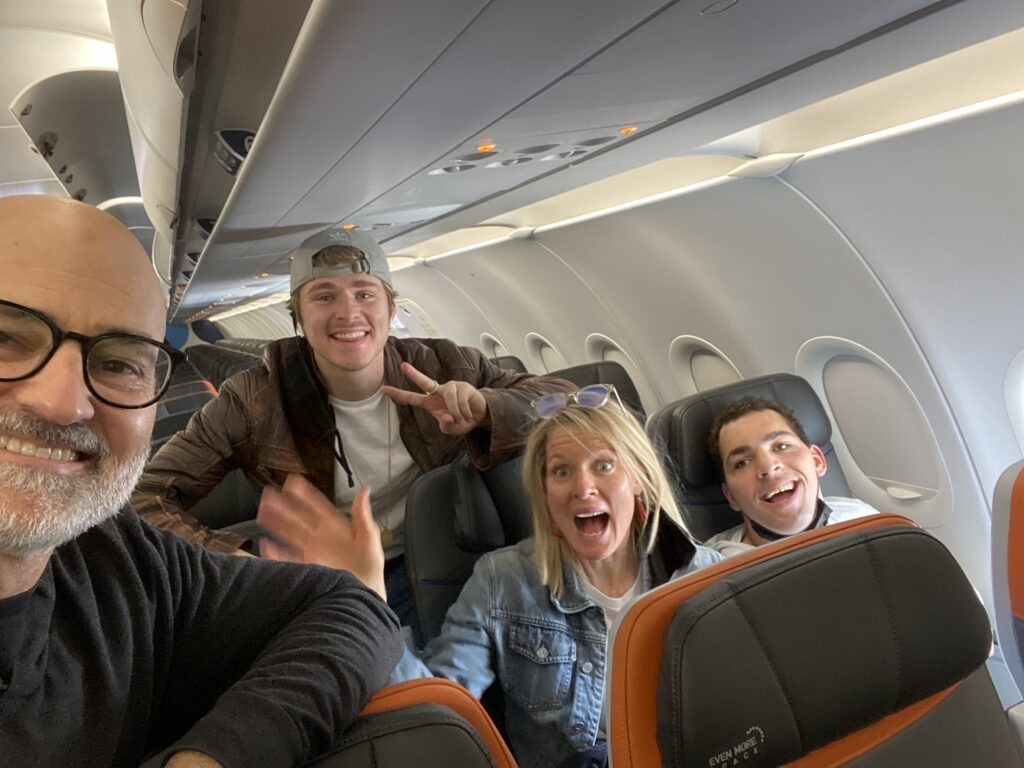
(274,419)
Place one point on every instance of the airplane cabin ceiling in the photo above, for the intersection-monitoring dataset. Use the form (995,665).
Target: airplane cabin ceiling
(371,100)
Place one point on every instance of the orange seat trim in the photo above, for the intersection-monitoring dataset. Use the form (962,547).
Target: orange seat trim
(1015,548)
(853,745)
(447,694)
(638,650)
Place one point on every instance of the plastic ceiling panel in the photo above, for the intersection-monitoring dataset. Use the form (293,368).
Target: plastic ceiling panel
(469,87)
(641,78)
(939,215)
(682,59)
(954,27)
(431,79)
(674,61)
(348,68)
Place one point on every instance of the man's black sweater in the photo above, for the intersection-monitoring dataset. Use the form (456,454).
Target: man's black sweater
(135,643)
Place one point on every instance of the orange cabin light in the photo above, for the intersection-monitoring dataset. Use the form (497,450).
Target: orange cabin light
(349,226)
(627,130)
(487,146)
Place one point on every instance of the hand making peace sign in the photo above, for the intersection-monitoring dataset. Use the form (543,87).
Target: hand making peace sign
(458,406)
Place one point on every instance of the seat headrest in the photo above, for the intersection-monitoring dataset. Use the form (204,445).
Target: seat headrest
(682,427)
(492,509)
(605,372)
(784,656)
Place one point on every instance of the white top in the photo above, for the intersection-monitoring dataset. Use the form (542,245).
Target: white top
(731,543)
(378,459)
(612,606)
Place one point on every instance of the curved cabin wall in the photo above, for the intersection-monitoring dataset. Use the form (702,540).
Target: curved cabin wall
(904,250)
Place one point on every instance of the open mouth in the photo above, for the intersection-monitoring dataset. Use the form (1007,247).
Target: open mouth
(24,447)
(781,494)
(591,523)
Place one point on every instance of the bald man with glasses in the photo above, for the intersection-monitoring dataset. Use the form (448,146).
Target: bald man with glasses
(121,644)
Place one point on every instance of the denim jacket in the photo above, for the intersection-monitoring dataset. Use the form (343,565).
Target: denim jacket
(549,654)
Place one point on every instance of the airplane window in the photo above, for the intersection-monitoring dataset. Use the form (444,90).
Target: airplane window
(412,321)
(699,365)
(491,346)
(601,347)
(883,427)
(710,371)
(543,354)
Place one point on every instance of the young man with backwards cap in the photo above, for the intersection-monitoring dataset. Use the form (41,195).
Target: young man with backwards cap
(340,407)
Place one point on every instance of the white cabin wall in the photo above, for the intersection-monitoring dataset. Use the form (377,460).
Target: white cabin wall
(756,268)
(455,314)
(939,215)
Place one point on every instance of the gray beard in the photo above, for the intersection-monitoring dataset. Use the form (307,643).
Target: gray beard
(39,509)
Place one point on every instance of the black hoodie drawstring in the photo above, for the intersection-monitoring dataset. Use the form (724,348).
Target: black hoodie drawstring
(339,454)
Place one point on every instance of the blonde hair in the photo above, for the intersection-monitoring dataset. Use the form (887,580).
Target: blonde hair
(624,434)
(338,256)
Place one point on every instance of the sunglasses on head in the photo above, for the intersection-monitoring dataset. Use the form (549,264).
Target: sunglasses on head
(593,396)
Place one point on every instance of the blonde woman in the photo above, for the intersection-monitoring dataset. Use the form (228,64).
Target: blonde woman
(535,616)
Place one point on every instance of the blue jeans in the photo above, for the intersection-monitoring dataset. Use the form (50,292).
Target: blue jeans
(400,599)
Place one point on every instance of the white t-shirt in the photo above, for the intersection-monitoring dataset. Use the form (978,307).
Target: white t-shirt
(378,459)
(612,606)
(731,542)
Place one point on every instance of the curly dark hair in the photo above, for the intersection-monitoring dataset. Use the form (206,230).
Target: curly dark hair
(740,408)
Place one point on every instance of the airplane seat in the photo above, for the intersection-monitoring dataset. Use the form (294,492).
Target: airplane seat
(1008,567)
(453,514)
(860,644)
(680,430)
(605,372)
(231,505)
(218,364)
(510,363)
(187,393)
(420,724)
(248,346)
(185,373)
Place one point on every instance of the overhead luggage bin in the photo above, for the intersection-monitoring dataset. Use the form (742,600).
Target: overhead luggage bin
(157,46)
(76,121)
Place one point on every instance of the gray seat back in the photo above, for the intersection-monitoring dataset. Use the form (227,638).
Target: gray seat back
(605,372)
(875,632)
(420,724)
(218,363)
(454,514)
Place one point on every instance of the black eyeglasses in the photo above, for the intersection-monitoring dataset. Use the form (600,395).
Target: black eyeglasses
(120,369)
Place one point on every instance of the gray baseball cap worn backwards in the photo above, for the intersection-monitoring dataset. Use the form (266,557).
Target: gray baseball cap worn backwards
(375,261)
